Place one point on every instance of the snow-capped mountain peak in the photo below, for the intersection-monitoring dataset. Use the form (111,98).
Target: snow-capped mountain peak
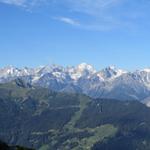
(82,70)
(9,71)
(83,66)
(110,73)
(113,82)
(146,70)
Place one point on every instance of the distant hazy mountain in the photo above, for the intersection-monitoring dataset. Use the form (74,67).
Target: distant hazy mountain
(107,83)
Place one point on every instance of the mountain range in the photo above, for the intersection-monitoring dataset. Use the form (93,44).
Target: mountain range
(109,82)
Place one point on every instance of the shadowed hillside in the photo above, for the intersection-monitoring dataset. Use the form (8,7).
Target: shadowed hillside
(42,119)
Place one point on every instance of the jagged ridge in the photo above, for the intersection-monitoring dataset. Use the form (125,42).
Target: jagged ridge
(107,83)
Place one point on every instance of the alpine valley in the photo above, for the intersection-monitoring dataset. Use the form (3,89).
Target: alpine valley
(74,108)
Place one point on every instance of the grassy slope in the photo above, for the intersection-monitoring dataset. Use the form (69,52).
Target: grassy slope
(77,140)
(86,143)
(12,90)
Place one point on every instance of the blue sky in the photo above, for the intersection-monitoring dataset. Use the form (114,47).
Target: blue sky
(68,32)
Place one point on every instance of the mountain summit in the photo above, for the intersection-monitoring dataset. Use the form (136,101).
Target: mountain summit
(83,78)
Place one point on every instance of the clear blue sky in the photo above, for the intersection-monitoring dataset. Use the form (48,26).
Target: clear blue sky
(68,32)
